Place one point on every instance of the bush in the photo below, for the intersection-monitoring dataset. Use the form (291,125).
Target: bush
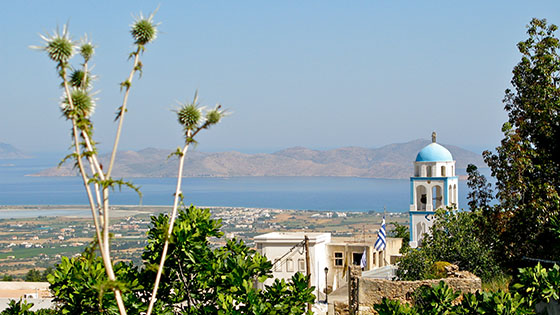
(437,270)
(537,284)
(198,278)
(455,238)
(439,299)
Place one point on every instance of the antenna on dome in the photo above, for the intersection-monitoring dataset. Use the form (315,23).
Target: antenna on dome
(434,137)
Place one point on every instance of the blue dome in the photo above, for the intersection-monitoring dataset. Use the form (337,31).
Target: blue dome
(434,152)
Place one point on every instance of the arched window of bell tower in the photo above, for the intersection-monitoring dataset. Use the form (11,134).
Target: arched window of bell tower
(437,197)
(421,197)
(455,195)
(443,171)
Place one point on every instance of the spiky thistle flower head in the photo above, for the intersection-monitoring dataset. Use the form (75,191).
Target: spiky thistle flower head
(78,79)
(189,116)
(215,115)
(83,104)
(144,30)
(58,46)
(87,49)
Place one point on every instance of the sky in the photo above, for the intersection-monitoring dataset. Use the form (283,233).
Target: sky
(319,74)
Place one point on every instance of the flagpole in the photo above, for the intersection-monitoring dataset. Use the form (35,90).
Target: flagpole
(381,242)
(385,249)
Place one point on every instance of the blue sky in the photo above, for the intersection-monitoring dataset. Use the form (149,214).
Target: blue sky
(320,74)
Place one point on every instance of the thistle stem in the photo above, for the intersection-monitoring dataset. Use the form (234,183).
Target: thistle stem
(104,254)
(123,110)
(171,223)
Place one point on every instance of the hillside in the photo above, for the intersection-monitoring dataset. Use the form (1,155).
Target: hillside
(390,161)
(9,152)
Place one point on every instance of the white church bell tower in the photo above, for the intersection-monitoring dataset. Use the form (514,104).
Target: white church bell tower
(433,186)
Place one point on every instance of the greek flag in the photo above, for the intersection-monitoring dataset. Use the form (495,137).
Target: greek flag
(363,262)
(380,243)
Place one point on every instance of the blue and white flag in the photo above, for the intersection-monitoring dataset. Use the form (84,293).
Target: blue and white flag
(381,243)
(363,262)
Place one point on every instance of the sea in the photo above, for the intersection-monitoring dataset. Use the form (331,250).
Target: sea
(300,193)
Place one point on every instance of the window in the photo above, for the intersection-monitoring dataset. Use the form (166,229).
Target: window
(443,171)
(338,259)
(277,265)
(289,265)
(301,265)
(357,258)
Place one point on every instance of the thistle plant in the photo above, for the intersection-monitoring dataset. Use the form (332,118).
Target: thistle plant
(78,105)
(193,118)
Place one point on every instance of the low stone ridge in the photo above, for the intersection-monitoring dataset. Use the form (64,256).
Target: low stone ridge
(372,291)
(9,152)
(390,161)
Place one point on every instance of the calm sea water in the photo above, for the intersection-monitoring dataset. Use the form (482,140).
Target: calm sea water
(304,193)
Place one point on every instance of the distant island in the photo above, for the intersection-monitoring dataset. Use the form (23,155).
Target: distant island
(392,161)
(9,152)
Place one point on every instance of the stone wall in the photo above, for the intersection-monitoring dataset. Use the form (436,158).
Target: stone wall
(372,291)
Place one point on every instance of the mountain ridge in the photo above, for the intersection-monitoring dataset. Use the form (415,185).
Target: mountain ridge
(8,152)
(389,161)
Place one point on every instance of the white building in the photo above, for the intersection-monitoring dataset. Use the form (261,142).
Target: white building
(285,250)
(433,186)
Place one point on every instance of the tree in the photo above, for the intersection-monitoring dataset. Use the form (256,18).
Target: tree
(455,238)
(34,275)
(198,279)
(480,200)
(526,165)
(480,195)
(401,231)
(202,280)
(7,277)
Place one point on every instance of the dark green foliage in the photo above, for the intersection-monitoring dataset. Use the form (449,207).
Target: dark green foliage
(435,300)
(414,265)
(34,275)
(197,278)
(221,280)
(499,303)
(440,299)
(401,231)
(538,284)
(7,277)
(437,270)
(18,308)
(393,307)
(454,238)
(480,196)
(526,165)
(80,286)
(21,307)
